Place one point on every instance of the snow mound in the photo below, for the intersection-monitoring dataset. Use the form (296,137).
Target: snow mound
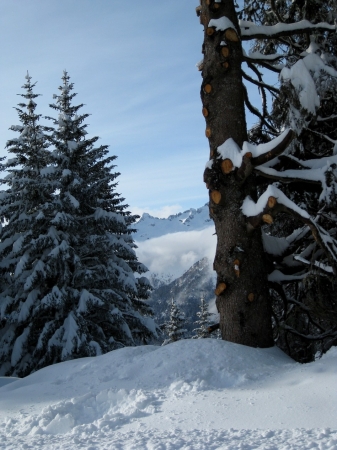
(192,394)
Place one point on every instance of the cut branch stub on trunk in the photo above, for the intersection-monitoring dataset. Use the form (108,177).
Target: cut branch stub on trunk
(231,35)
(210,31)
(214,327)
(207,88)
(221,287)
(226,166)
(272,202)
(225,51)
(216,197)
(250,297)
(205,112)
(267,218)
(208,132)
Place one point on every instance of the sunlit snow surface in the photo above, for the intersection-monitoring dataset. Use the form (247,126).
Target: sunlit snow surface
(193,394)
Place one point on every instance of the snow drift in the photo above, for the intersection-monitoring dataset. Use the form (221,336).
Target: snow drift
(193,394)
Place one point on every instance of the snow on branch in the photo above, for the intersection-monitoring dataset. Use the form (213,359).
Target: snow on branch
(323,172)
(257,57)
(268,201)
(317,264)
(268,151)
(251,155)
(274,201)
(302,76)
(279,277)
(249,30)
(270,62)
(273,245)
(308,176)
(327,243)
(330,118)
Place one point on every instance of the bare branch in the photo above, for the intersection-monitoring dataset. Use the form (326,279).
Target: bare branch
(256,112)
(310,337)
(273,8)
(262,63)
(262,91)
(324,136)
(259,83)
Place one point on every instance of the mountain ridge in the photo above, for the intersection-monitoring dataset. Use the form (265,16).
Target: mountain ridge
(149,227)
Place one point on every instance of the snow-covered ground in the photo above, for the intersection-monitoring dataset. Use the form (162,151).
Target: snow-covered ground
(193,394)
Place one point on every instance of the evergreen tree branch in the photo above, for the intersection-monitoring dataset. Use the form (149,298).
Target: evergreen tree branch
(250,30)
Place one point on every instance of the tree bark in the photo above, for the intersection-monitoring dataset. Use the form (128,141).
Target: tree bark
(244,307)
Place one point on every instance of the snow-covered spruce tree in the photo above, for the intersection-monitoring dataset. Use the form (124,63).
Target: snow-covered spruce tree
(24,207)
(203,321)
(82,297)
(174,328)
(240,203)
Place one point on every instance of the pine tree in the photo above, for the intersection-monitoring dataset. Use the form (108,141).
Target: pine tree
(24,206)
(203,322)
(174,328)
(84,298)
(244,198)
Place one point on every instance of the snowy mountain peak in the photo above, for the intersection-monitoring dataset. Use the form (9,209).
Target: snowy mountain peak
(149,227)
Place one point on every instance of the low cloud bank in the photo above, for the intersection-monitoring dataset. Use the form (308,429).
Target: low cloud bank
(173,254)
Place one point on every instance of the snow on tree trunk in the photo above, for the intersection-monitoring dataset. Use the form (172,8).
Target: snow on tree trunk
(242,288)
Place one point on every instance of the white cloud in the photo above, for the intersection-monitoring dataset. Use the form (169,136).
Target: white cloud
(175,253)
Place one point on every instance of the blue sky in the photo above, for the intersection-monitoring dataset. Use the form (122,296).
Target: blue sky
(133,66)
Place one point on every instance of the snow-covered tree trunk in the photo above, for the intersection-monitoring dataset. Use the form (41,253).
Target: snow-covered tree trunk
(242,288)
